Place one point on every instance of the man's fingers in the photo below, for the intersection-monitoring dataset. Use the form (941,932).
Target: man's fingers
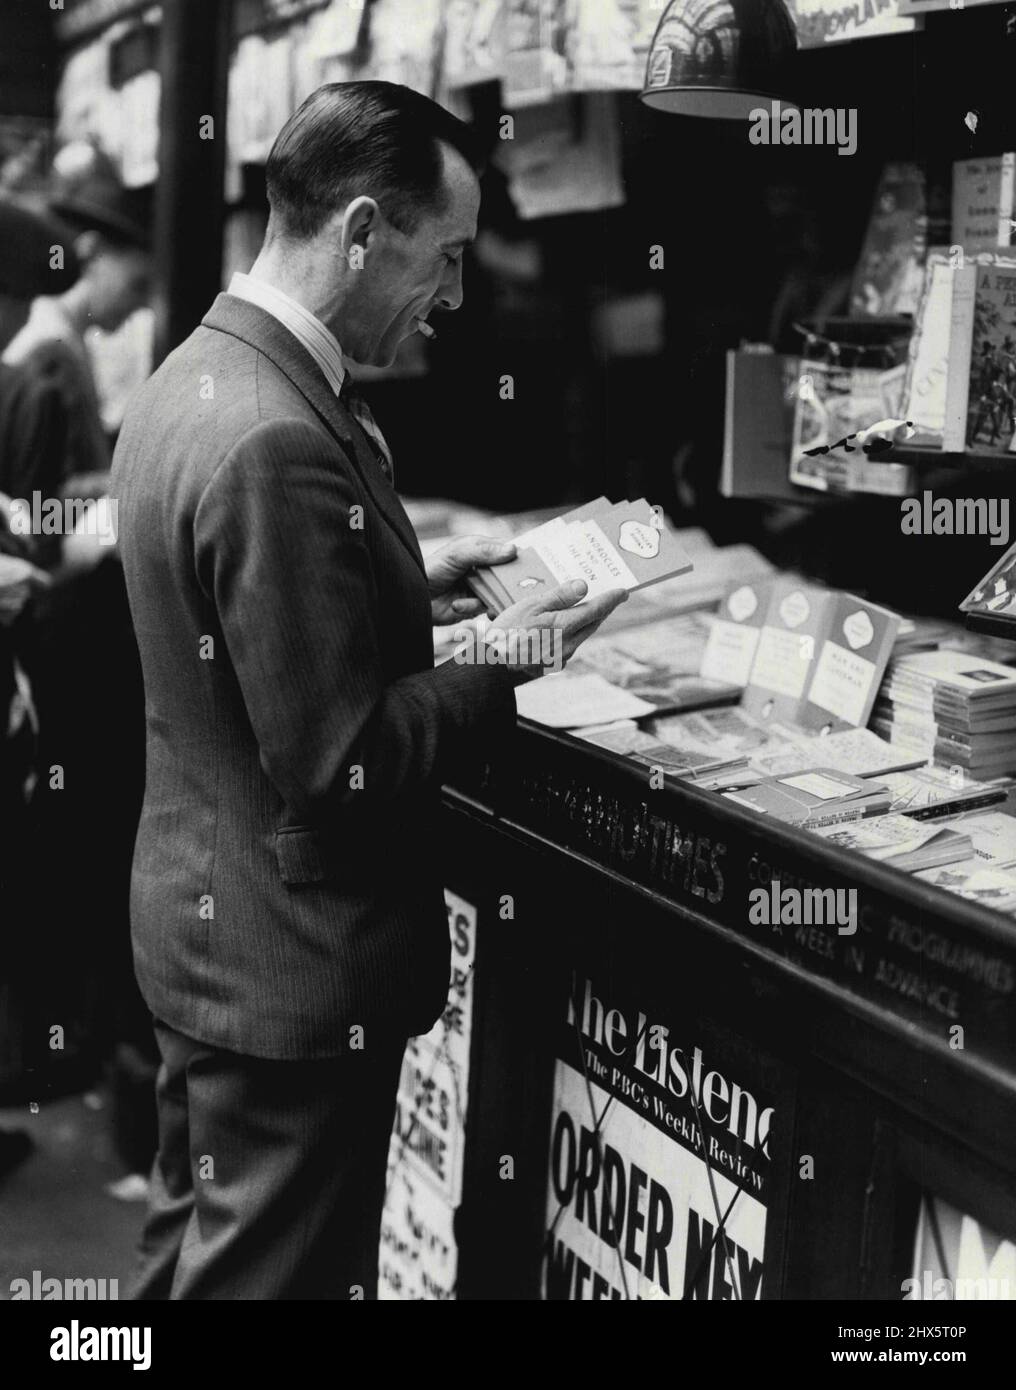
(564,596)
(471,551)
(594,610)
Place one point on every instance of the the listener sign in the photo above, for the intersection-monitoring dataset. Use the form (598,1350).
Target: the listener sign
(655,1148)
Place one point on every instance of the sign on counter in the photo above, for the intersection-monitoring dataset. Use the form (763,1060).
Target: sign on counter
(419,1256)
(659,1159)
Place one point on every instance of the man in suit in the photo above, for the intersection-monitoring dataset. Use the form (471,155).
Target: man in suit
(288,921)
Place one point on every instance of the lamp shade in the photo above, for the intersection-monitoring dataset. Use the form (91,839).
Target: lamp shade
(719,58)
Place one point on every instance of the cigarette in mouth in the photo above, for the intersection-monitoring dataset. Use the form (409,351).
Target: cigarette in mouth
(425,328)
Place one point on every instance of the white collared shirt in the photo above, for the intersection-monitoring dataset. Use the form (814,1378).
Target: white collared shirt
(308,330)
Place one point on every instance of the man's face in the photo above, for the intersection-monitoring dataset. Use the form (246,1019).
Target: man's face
(118,283)
(405,275)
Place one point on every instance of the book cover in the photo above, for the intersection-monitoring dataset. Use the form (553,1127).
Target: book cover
(982,203)
(849,664)
(991,398)
(819,797)
(758,425)
(925,394)
(733,636)
(793,626)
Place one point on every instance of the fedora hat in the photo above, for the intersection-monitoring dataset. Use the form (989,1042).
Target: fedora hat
(104,206)
(27,237)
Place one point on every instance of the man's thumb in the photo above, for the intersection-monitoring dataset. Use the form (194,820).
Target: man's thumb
(565,595)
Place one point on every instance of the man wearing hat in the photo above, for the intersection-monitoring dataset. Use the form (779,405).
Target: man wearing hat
(109,231)
(78,651)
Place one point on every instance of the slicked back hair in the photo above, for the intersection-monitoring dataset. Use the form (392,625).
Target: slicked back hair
(363,138)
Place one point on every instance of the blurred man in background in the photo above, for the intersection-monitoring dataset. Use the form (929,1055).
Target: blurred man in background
(110,239)
(36,258)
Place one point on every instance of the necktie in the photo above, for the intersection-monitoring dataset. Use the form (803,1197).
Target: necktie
(362,414)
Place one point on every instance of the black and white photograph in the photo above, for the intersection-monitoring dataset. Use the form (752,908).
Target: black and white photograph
(507,683)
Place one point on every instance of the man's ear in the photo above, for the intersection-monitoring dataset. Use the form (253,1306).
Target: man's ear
(360,221)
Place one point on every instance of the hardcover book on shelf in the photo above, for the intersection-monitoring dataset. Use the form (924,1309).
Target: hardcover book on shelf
(758,424)
(991,406)
(981,391)
(946,305)
(982,203)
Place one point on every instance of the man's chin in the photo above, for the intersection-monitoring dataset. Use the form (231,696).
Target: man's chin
(383,355)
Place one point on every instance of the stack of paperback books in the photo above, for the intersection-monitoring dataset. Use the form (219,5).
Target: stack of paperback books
(622,545)
(955,708)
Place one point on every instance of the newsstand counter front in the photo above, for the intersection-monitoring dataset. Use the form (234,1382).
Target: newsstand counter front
(677,1088)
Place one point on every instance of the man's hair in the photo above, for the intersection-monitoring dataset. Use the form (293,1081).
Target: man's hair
(371,138)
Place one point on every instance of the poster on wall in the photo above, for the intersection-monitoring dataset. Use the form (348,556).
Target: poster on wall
(474,42)
(834,21)
(418,1257)
(659,1176)
(560,46)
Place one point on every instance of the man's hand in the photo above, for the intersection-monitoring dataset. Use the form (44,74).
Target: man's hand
(18,581)
(543,633)
(451,601)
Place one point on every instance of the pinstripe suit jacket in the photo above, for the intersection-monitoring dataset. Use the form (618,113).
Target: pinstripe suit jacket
(274,901)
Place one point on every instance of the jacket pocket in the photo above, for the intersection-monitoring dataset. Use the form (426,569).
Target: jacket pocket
(298,851)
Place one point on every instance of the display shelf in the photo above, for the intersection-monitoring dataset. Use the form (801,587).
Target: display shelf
(989,624)
(930,458)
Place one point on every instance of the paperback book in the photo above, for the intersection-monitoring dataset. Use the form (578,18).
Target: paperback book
(812,799)
(624,545)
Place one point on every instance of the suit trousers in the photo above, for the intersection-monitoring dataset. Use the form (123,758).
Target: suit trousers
(270,1175)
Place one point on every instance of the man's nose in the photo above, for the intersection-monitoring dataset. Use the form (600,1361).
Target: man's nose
(450,293)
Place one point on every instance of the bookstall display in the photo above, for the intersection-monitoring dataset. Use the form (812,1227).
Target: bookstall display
(733,912)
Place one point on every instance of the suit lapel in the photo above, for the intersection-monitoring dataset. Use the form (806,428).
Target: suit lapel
(260,330)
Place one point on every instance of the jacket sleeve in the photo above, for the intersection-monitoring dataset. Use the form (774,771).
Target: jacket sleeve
(293,585)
